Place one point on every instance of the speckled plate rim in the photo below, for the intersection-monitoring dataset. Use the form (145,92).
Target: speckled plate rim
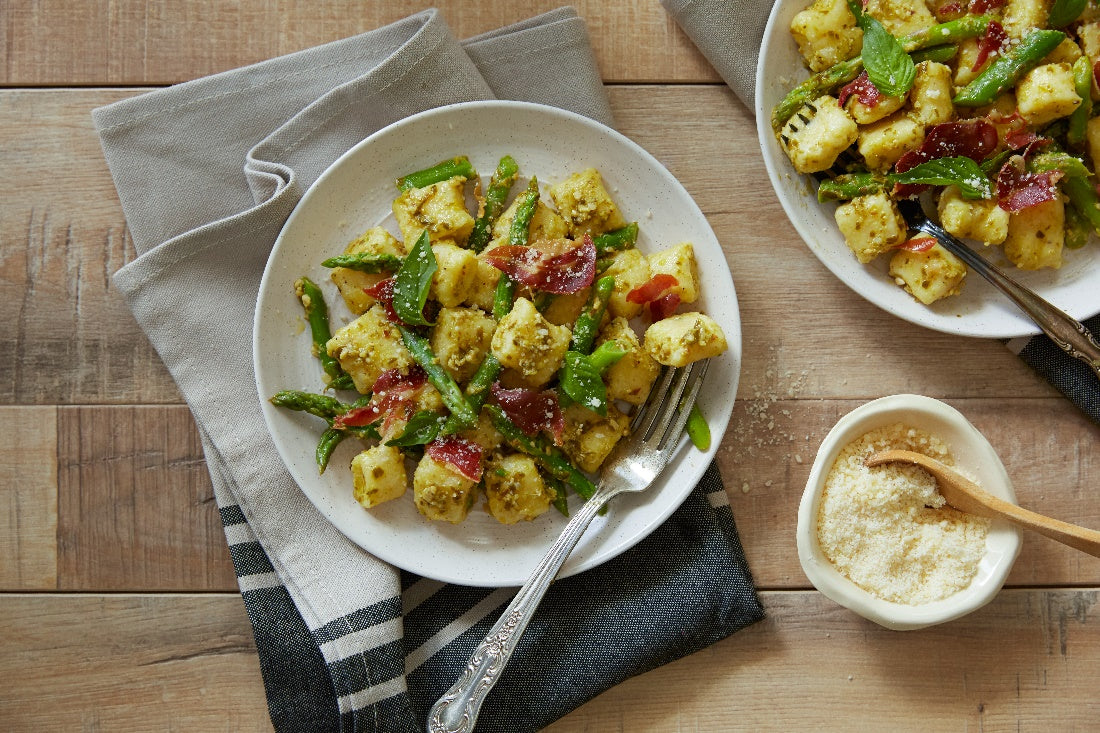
(979,310)
(972,453)
(354,194)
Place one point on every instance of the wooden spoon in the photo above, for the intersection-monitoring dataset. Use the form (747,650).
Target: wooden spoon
(964,495)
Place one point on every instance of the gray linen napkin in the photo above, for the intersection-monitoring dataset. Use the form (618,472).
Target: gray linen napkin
(729,34)
(207,173)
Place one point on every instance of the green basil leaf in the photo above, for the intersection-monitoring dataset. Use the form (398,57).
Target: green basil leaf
(581,382)
(422,428)
(960,171)
(888,66)
(410,288)
(365,262)
(1064,12)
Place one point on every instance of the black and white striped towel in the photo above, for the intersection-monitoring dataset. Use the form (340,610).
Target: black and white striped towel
(728,34)
(207,173)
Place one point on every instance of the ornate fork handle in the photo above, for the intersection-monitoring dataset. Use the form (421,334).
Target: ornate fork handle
(1070,335)
(458,709)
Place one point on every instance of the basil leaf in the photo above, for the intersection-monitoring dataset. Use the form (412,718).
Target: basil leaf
(410,287)
(365,262)
(581,382)
(959,171)
(422,428)
(1064,12)
(889,67)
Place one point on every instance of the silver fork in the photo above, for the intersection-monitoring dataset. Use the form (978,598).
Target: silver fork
(655,435)
(1070,335)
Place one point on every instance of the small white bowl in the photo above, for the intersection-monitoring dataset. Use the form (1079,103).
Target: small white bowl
(973,455)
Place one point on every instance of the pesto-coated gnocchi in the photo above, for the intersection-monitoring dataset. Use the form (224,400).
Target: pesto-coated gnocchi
(983,111)
(494,344)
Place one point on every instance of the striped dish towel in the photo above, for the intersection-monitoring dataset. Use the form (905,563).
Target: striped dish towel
(207,172)
(729,34)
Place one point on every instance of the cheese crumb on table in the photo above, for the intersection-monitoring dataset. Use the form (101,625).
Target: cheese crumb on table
(887,528)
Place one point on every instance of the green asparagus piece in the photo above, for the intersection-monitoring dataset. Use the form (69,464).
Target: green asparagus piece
(365,262)
(313,302)
(477,391)
(603,263)
(588,322)
(520,230)
(441,171)
(1077,229)
(1075,183)
(1082,197)
(1079,118)
(504,296)
(449,390)
(828,80)
(606,355)
(939,54)
(697,428)
(319,405)
(495,197)
(847,186)
(1005,70)
(617,240)
(561,501)
(326,445)
(537,447)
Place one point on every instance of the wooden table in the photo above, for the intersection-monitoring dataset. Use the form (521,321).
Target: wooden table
(119,610)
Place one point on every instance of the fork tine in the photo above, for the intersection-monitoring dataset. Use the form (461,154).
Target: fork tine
(694,383)
(670,398)
(651,408)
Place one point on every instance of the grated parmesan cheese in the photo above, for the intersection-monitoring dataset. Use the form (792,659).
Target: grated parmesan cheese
(887,528)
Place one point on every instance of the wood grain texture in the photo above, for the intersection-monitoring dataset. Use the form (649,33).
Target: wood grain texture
(136,506)
(28,498)
(135,42)
(129,664)
(187,662)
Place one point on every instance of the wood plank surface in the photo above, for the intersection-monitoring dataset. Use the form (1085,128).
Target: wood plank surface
(28,498)
(186,662)
(139,42)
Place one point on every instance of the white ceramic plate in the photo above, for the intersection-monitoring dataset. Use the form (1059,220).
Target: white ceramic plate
(354,194)
(979,310)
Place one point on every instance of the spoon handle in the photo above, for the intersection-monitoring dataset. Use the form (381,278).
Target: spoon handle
(1070,334)
(1080,538)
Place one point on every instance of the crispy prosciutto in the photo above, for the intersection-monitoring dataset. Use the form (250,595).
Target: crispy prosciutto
(1017,189)
(654,292)
(863,90)
(531,411)
(382,291)
(460,454)
(992,41)
(391,400)
(544,266)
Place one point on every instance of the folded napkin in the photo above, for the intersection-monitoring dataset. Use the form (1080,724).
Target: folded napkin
(729,35)
(207,173)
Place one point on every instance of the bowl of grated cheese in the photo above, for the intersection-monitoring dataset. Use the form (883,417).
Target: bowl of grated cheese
(881,541)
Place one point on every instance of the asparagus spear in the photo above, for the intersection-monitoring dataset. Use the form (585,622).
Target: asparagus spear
(548,457)
(588,322)
(518,234)
(313,301)
(616,240)
(441,171)
(1008,68)
(495,196)
(451,393)
(365,262)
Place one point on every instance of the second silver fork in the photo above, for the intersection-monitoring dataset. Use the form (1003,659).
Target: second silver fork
(634,465)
